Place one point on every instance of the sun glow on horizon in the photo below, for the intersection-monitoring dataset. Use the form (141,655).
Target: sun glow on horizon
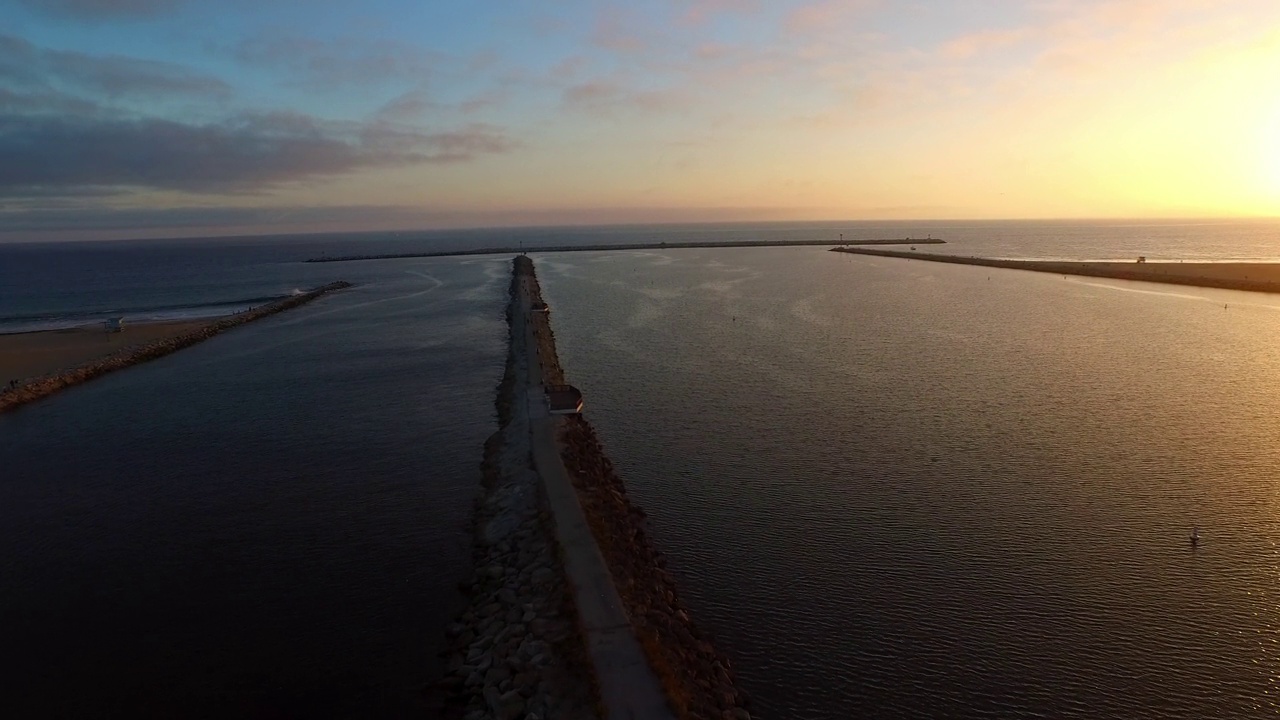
(1269,155)
(638,112)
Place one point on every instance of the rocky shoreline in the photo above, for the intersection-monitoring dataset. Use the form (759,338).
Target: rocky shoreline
(516,650)
(11,398)
(518,596)
(698,679)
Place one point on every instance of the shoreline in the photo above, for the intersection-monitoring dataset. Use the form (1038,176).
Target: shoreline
(35,354)
(97,326)
(33,389)
(625,246)
(1249,277)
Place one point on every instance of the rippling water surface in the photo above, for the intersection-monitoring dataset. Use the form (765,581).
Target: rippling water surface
(892,489)
(898,489)
(266,525)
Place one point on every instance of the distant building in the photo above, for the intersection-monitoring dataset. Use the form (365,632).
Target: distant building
(115,324)
(564,400)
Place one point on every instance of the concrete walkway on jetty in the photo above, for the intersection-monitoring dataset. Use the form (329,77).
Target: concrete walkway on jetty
(628,246)
(628,686)
(1254,277)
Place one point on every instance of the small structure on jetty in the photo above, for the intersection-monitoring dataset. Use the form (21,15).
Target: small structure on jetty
(540,307)
(564,400)
(114,325)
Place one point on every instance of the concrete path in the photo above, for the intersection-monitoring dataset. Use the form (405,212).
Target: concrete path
(628,686)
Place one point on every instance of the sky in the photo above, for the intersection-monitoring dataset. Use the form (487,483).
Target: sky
(141,118)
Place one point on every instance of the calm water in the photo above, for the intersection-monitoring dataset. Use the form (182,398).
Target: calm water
(269,524)
(890,488)
(898,490)
(66,284)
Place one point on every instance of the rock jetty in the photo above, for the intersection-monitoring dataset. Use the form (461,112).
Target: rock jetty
(1253,277)
(520,605)
(32,390)
(698,679)
(516,651)
(625,246)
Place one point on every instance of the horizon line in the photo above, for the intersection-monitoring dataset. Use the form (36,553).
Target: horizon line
(465,228)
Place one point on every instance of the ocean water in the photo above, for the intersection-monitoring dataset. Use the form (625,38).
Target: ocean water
(45,286)
(889,488)
(270,524)
(898,489)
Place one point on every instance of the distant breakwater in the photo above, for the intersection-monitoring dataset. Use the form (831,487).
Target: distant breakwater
(1156,272)
(32,390)
(627,246)
(698,679)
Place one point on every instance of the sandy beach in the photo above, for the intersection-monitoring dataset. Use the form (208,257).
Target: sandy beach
(33,354)
(64,358)
(1257,277)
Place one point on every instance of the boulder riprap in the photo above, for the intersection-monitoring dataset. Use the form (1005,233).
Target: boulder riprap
(516,651)
(698,679)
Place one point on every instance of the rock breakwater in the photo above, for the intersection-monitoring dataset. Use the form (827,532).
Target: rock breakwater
(625,246)
(516,651)
(1251,277)
(699,680)
(33,390)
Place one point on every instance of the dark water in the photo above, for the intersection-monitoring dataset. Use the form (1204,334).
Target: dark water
(269,524)
(65,284)
(899,489)
(891,489)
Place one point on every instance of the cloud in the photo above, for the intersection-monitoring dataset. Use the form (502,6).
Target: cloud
(250,152)
(414,105)
(605,96)
(24,65)
(88,222)
(483,101)
(102,9)
(326,63)
(569,68)
(698,12)
(593,92)
(407,107)
(466,143)
(224,218)
(713,51)
(979,43)
(615,30)
(1100,49)
(814,17)
(44,102)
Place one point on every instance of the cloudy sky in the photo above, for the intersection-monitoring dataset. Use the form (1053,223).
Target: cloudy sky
(124,118)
